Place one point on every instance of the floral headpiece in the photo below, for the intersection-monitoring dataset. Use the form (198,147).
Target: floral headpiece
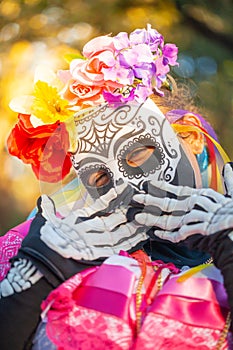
(114,69)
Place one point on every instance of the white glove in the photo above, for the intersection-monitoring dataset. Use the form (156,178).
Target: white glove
(176,212)
(97,231)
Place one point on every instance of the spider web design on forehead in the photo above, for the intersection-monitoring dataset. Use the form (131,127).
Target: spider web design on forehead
(97,130)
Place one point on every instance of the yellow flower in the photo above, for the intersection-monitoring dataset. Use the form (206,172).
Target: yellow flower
(48,104)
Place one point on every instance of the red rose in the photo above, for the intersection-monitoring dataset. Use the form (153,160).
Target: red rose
(45,147)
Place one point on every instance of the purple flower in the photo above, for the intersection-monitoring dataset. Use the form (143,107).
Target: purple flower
(141,93)
(127,58)
(120,74)
(151,37)
(138,36)
(135,55)
(155,39)
(159,80)
(118,97)
(170,52)
(121,41)
(144,71)
(162,67)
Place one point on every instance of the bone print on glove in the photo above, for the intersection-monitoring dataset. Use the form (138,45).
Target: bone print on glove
(22,275)
(99,230)
(177,212)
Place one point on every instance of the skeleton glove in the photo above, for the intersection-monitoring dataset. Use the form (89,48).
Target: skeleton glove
(176,212)
(93,232)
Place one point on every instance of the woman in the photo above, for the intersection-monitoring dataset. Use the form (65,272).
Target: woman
(122,150)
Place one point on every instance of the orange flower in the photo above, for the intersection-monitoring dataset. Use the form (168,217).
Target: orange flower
(45,147)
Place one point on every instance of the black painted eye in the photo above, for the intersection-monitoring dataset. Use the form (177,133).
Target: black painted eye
(139,155)
(99,178)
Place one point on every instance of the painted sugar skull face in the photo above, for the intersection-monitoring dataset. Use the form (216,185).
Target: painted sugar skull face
(133,143)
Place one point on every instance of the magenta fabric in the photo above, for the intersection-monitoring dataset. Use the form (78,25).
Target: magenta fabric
(97,313)
(199,288)
(10,244)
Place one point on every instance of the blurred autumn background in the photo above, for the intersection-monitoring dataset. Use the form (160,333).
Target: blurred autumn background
(39,31)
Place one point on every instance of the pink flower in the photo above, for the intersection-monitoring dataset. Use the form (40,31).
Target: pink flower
(90,72)
(86,79)
(101,57)
(83,95)
(98,45)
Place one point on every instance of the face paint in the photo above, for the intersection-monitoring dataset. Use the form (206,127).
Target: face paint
(133,143)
